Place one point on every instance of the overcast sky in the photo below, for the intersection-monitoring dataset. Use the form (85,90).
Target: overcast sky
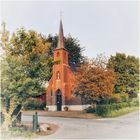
(100,26)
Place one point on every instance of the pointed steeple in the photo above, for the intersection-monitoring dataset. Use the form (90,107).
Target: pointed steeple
(60,36)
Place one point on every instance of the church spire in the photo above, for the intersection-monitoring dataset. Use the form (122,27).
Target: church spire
(60,36)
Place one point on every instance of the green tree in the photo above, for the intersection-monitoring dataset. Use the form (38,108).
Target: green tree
(26,66)
(127,72)
(72,45)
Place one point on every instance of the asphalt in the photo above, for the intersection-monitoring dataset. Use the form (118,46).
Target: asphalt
(124,127)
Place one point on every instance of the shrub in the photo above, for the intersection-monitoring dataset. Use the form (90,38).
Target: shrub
(124,97)
(132,94)
(115,98)
(34,104)
(104,110)
(90,109)
(134,102)
(105,101)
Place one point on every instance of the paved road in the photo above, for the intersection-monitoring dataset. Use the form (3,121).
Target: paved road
(124,127)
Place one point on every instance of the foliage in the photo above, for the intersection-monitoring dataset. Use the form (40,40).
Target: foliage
(17,132)
(115,98)
(104,110)
(115,113)
(114,109)
(94,81)
(132,94)
(127,72)
(90,109)
(73,47)
(134,102)
(124,97)
(25,67)
(34,104)
(27,76)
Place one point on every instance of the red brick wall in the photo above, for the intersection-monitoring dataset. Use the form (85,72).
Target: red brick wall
(66,81)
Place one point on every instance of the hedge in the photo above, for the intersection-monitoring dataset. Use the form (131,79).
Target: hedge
(103,110)
(34,104)
(115,98)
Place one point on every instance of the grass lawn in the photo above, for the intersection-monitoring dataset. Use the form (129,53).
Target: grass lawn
(122,111)
(26,131)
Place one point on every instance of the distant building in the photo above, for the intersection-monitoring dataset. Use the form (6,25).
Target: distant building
(60,88)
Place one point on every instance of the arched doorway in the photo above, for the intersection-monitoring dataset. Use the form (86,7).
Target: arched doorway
(58,100)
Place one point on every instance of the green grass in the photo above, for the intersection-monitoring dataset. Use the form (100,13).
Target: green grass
(122,111)
(15,132)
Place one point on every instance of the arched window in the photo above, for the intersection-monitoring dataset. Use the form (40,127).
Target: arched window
(58,75)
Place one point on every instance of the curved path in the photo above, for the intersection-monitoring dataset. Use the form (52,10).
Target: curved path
(124,127)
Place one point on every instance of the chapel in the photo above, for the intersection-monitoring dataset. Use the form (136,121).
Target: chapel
(59,93)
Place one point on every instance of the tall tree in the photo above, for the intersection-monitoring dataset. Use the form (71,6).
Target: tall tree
(72,45)
(94,81)
(26,65)
(127,72)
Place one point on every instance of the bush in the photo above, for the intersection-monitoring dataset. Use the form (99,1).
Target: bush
(90,109)
(104,101)
(104,110)
(124,97)
(134,102)
(115,98)
(119,97)
(133,94)
(34,104)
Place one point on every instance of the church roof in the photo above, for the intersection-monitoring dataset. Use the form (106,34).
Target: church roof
(60,36)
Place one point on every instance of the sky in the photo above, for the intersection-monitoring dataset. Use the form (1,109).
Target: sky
(100,26)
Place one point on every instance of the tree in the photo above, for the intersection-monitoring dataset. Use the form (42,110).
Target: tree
(127,72)
(94,80)
(73,47)
(32,67)
(26,66)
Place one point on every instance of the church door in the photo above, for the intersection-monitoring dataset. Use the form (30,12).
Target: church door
(59,100)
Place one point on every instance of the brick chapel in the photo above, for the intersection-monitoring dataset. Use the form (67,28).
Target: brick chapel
(60,87)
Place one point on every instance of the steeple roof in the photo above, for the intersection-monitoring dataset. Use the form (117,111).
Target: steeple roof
(60,36)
